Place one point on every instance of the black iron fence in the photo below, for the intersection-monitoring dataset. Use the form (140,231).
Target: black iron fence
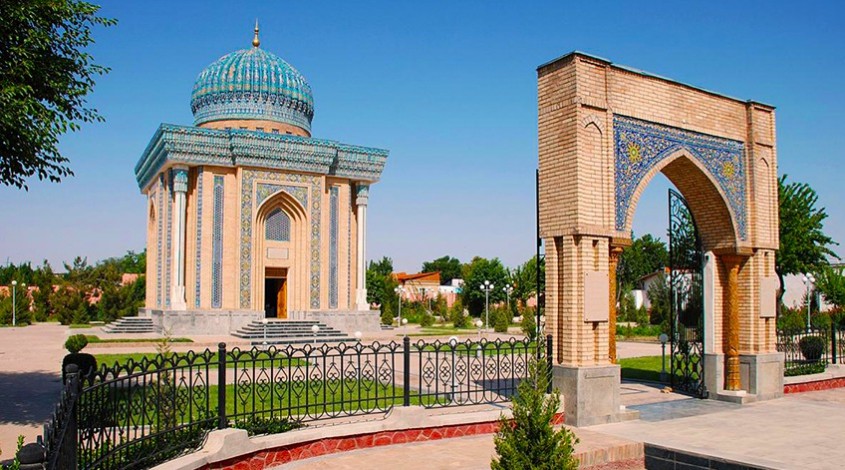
(137,414)
(810,350)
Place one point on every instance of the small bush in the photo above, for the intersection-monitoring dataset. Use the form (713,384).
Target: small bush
(76,343)
(500,318)
(792,321)
(812,347)
(457,316)
(529,323)
(256,425)
(426,319)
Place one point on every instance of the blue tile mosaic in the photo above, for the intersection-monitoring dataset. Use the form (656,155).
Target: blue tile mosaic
(333,234)
(217,244)
(198,254)
(640,146)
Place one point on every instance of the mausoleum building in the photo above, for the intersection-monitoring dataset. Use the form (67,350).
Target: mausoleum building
(248,216)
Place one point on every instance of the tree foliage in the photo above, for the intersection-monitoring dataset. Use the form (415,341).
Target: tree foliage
(645,256)
(45,78)
(830,281)
(525,279)
(448,267)
(474,274)
(380,285)
(804,247)
(530,442)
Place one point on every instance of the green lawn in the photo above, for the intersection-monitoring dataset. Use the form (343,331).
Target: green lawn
(489,349)
(642,368)
(122,359)
(277,400)
(439,331)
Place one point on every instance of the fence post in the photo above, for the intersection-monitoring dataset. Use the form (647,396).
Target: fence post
(549,371)
(222,420)
(833,341)
(406,372)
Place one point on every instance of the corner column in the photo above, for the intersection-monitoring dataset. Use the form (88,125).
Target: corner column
(615,253)
(179,177)
(362,192)
(732,373)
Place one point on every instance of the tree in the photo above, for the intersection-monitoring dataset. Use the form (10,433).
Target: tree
(645,256)
(530,441)
(658,296)
(830,282)
(474,275)
(45,77)
(525,279)
(804,247)
(380,285)
(448,267)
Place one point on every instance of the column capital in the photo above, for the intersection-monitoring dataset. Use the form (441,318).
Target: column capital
(362,193)
(179,178)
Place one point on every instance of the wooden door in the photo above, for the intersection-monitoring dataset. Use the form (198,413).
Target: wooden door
(282,299)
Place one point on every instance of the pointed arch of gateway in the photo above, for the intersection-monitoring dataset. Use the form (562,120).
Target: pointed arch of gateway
(604,131)
(286,261)
(707,201)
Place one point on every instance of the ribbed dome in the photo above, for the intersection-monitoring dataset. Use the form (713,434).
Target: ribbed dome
(252,84)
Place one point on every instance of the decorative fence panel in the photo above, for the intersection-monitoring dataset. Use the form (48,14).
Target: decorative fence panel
(138,414)
(810,350)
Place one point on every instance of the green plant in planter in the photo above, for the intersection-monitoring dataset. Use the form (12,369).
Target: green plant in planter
(812,347)
(85,362)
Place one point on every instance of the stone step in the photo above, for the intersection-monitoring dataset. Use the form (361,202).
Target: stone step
(130,325)
(288,331)
(283,340)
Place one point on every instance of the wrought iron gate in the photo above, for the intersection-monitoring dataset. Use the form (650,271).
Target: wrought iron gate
(686,292)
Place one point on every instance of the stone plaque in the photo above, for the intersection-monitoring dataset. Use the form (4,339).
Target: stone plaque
(277,253)
(596,296)
(768,296)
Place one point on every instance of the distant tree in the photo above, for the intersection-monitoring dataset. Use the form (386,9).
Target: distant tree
(380,286)
(524,279)
(70,305)
(45,76)
(474,275)
(658,296)
(645,256)
(804,247)
(21,305)
(23,273)
(448,267)
(830,282)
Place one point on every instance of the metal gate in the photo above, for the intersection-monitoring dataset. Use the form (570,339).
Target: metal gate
(686,292)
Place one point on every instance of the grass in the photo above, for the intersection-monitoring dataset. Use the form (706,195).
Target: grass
(123,359)
(442,330)
(277,400)
(489,349)
(642,368)
(97,339)
(77,326)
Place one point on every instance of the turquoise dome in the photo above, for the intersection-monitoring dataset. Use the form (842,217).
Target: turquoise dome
(252,84)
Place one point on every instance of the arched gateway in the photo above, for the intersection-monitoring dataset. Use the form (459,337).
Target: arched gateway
(604,132)
(249,216)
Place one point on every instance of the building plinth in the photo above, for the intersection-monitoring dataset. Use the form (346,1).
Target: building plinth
(591,394)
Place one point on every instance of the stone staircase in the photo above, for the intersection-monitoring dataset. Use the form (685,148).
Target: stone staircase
(290,332)
(130,325)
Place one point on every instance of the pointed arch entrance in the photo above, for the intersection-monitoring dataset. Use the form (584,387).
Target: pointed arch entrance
(604,132)
(280,256)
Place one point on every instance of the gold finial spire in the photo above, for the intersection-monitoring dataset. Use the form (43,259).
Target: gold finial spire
(255,41)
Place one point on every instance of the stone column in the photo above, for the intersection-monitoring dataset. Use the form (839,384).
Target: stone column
(615,253)
(179,177)
(362,191)
(731,323)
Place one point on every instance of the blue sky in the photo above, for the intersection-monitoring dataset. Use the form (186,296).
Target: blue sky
(450,89)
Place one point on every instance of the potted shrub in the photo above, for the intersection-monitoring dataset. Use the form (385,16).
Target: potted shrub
(86,362)
(812,347)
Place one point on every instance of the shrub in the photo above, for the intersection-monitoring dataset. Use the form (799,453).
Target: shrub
(530,441)
(500,318)
(426,319)
(812,347)
(792,321)
(457,316)
(76,343)
(529,323)
(256,425)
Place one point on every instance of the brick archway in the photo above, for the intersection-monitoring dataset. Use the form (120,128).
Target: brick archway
(604,132)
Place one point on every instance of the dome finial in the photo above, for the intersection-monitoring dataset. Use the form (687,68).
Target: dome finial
(255,41)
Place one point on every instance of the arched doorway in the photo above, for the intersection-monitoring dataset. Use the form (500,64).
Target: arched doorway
(280,256)
(604,132)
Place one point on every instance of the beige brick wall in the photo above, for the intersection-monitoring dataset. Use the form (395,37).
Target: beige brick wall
(577,98)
